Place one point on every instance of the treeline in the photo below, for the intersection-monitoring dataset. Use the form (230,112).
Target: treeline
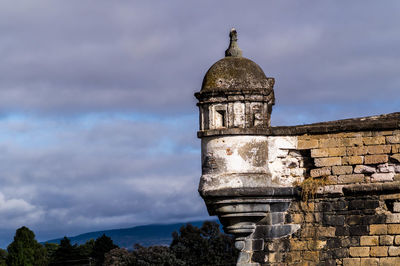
(190,246)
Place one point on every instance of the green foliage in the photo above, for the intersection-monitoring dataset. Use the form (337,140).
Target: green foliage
(203,246)
(51,249)
(190,246)
(118,257)
(67,254)
(154,255)
(85,250)
(3,257)
(101,246)
(25,250)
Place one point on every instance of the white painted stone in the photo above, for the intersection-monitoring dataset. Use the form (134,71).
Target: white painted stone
(285,169)
(279,146)
(250,161)
(295,153)
(238,110)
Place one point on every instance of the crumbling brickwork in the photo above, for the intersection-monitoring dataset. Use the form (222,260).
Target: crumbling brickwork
(319,194)
(352,217)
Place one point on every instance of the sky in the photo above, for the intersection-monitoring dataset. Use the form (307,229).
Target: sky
(97,115)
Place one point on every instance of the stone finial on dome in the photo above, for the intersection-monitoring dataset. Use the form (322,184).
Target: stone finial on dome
(233,49)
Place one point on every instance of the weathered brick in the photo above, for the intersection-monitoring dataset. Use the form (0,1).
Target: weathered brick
(393,218)
(328,152)
(394,229)
(326,231)
(358,230)
(379,149)
(311,255)
(352,160)
(317,172)
(352,141)
(397,240)
(331,143)
(393,139)
(356,150)
(386,240)
(375,159)
(390,261)
(369,240)
(396,207)
(330,161)
(359,251)
(303,144)
(338,253)
(297,218)
(316,244)
(351,262)
(369,261)
(382,177)
(394,251)
(342,170)
(396,148)
(374,140)
(341,151)
(316,153)
(334,189)
(378,229)
(395,157)
(348,179)
(378,251)
(383,133)
(298,245)
(364,169)
(294,256)
(385,168)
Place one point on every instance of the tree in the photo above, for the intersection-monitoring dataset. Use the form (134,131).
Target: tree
(67,254)
(25,250)
(203,246)
(51,249)
(118,257)
(85,250)
(3,257)
(154,255)
(102,245)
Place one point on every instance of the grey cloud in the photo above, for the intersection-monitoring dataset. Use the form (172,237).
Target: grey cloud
(150,57)
(63,60)
(94,175)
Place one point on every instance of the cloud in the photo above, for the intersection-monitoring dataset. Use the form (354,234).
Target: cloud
(96,172)
(97,114)
(151,57)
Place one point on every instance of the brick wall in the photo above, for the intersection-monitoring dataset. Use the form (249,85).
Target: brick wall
(353,217)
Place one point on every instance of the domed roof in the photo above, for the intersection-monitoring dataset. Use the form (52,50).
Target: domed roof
(234,73)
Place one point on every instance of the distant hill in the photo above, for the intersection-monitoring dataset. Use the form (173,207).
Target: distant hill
(145,235)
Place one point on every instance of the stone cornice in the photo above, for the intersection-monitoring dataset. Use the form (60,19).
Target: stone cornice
(371,123)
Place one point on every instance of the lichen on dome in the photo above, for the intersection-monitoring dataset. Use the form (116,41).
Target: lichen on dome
(235,73)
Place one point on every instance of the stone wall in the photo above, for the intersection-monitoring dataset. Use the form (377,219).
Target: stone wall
(349,207)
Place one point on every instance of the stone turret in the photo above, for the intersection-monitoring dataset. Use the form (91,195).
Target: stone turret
(319,194)
(235,93)
(235,103)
